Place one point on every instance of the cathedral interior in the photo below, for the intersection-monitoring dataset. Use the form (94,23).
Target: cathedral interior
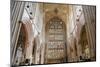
(52,33)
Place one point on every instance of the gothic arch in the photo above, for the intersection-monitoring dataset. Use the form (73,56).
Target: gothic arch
(25,39)
(55,31)
(23,35)
(84,44)
(29,39)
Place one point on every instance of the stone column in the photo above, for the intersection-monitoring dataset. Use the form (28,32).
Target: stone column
(16,15)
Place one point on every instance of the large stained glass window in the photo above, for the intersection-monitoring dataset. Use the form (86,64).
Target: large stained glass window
(56,41)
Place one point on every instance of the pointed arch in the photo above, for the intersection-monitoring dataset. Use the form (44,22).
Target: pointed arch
(55,41)
(84,44)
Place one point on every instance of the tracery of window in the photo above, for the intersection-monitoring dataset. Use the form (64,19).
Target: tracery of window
(56,40)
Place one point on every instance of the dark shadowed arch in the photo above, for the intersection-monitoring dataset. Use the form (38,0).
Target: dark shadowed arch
(84,43)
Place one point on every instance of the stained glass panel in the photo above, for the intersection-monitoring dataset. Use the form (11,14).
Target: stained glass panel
(56,43)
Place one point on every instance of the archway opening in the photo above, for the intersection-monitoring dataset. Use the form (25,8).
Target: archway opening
(20,53)
(84,44)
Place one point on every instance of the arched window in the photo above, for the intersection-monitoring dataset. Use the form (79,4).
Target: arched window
(56,48)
